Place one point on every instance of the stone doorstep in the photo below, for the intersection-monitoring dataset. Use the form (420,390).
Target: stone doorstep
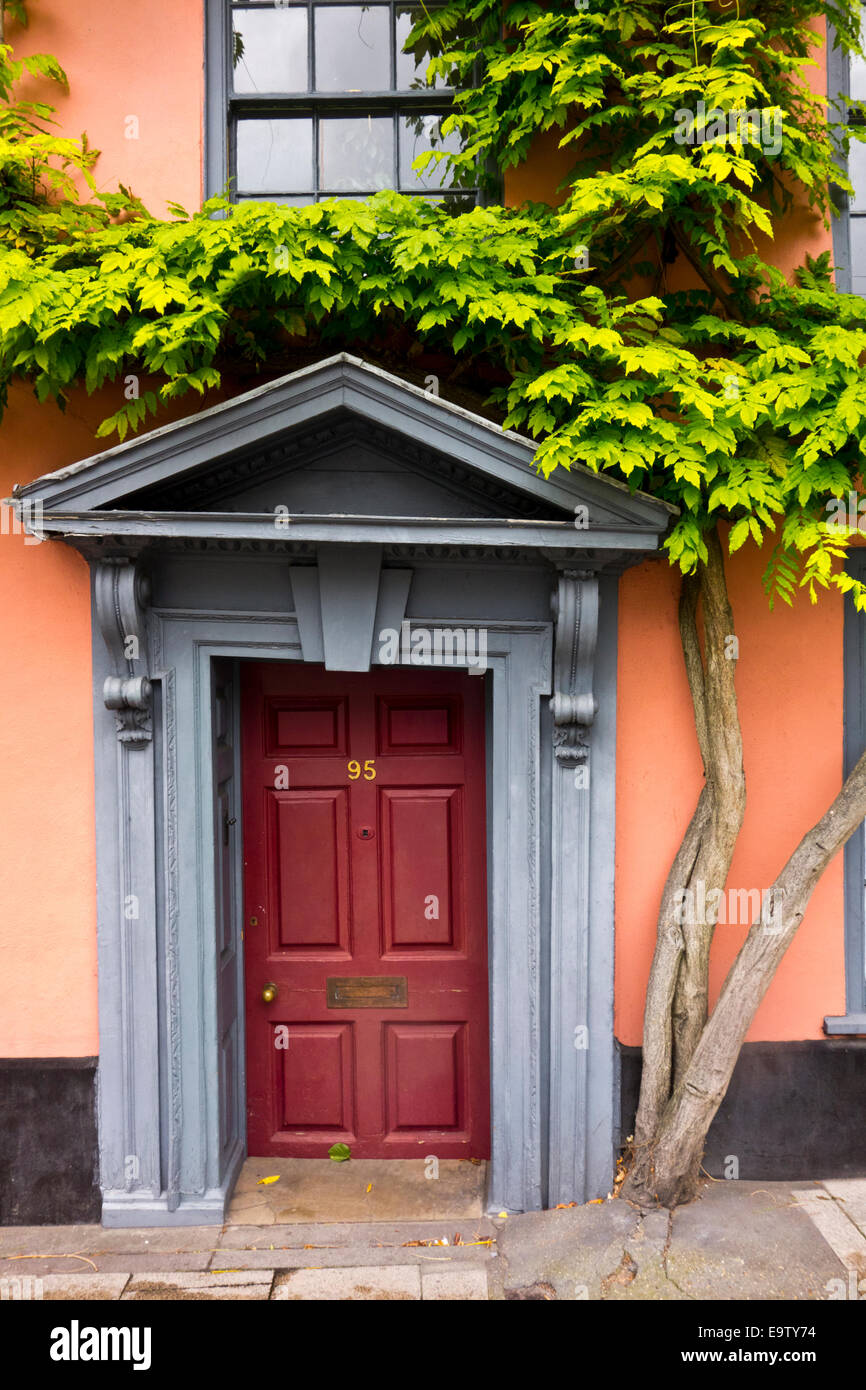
(348,1244)
(355,1232)
(345,1257)
(374,1190)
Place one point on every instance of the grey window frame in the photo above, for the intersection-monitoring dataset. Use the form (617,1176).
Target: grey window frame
(853,1021)
(854,741)
(838,86)
(223,107)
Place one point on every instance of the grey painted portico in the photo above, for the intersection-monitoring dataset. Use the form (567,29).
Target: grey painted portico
(297,523)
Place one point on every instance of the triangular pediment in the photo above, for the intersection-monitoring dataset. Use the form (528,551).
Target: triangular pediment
(344,464)
(341,439)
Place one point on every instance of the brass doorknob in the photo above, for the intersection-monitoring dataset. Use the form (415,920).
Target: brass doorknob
(269,993)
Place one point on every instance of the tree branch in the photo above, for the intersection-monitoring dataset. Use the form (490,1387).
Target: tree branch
(680,1143)
(705,273)
(717,722)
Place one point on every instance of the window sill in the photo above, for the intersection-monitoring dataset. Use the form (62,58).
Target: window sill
(847,1025)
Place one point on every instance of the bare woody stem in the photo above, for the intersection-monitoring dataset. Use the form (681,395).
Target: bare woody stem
(676,1005)
(679,1143)
(717,721)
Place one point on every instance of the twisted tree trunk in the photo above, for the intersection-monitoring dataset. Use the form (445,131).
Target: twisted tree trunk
(688,1059)
(676,1006)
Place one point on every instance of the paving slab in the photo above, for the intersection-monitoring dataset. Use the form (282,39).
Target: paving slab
(106,1264)
(85,1288)
(454,1285)
(643,1271)
(571,1250)
(850,1193)
(750,1240)
(171,1286)
(844,1238)
(312,1190)
(359,1243)
(737,1240)
(397,1283)
(87,1240)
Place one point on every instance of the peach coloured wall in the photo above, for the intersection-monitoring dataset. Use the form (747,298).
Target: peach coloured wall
(123,61)
(789,685)
(47,888)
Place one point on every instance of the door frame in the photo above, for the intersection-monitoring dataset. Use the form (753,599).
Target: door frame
(519,661)
(550,909)
(332,581)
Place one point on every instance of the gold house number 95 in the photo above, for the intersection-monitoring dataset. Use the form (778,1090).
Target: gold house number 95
(355,770)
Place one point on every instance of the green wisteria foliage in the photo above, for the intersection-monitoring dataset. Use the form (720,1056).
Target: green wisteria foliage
(693,133)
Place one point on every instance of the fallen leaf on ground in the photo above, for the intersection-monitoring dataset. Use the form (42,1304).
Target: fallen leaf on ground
(262,1182)
(369,1187)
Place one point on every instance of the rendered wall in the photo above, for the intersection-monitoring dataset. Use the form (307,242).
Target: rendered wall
(123,62)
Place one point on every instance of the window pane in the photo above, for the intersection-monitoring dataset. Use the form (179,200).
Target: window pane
(857,174)
(269,50)
(410,73)
(353,48)
(858,255)
(858,73)
(417,134)
(292,200)
(356,153)
(275,156)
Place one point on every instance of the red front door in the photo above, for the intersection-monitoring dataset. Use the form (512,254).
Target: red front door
(365,903)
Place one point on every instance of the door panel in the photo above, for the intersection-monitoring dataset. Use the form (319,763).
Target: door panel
(308,870)
(420,840)
(364,861)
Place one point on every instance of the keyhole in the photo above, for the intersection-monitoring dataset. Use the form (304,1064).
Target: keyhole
(365,832)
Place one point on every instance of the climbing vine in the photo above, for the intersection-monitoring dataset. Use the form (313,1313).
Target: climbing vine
(733,391)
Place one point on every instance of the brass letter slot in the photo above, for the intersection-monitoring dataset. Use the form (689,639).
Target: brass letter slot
(369,992)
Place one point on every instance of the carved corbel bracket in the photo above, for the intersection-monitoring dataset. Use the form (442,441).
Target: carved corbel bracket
(122,594)
(575,608)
